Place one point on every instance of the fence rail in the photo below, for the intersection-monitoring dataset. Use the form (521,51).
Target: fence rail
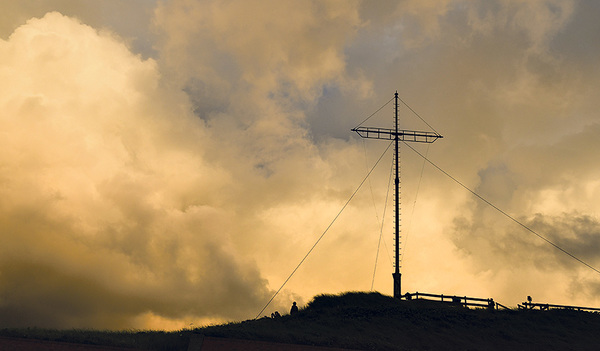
(547,306)
(489,303)
(499,306)
(463,301)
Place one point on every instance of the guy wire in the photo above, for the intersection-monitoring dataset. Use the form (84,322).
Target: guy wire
(325,231)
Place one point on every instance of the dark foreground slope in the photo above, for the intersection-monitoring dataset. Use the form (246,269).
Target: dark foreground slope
(376,322)
(370,321)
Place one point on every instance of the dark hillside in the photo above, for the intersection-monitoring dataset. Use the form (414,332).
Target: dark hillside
(371,321)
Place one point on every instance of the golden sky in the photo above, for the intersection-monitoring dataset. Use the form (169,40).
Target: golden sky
(170,162)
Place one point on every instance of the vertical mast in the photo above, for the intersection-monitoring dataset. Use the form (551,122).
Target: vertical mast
(397,275)
(397,135)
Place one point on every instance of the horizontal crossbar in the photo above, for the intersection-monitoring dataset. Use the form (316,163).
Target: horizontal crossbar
(457,300)
(403,135)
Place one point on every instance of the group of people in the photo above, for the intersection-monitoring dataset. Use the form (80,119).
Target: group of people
(293,311)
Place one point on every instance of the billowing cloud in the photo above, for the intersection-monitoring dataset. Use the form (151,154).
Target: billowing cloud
(131,19)
(106,198)
(553,189)
(174,168)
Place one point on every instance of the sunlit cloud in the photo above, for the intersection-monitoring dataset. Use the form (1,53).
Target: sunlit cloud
(101,184)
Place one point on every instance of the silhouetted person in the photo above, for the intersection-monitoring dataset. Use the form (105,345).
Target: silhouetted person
(491,304)
(294,309)
(277,315)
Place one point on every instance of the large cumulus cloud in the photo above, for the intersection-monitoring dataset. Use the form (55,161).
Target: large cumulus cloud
(106,198)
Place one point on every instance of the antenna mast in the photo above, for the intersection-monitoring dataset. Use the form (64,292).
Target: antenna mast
(397,135)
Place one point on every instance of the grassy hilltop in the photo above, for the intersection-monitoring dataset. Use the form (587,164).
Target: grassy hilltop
(371,321)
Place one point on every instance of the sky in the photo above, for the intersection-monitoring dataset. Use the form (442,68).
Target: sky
(168,164)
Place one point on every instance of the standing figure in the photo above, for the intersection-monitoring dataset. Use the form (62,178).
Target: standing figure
(294,309)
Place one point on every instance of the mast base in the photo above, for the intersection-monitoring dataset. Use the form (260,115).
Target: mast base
(397,293)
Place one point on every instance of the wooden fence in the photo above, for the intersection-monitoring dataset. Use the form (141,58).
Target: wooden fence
(547,306)
(463,301)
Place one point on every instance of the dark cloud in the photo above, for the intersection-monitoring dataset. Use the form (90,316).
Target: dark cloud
(577,234)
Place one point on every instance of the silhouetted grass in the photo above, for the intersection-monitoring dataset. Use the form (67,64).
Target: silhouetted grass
(144,340)
(371,321)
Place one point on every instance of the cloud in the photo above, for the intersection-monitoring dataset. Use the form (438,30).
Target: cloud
(258,44)
(131,19)
(252,79)
(551,189)
(106,199)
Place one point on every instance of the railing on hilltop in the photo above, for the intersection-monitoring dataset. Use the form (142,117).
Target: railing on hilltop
(547,307)
(463,301)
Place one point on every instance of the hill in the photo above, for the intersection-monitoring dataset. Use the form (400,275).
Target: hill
(371,321)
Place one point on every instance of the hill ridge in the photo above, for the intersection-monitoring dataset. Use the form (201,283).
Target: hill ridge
(372,321)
